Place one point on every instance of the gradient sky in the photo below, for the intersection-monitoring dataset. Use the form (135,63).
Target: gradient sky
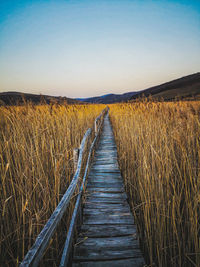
(88,48)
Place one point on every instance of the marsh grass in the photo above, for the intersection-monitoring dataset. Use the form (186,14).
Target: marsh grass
(159,156)
(36,167)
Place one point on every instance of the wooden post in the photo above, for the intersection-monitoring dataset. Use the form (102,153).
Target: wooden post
(95,127)
(75,157)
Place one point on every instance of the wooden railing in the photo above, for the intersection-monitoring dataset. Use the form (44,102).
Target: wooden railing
(35,254)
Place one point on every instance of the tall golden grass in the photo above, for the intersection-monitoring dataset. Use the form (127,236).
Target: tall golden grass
(36,167)
(159,156)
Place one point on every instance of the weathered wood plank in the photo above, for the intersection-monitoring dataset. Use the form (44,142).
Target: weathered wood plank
(104,171)
(105,189)
(119,220)
(106,195)
(109,149)
(105,200)
(105,161)
(106,157)
(109,175)
(111,230)
(121,210)
(107,248)
(107,218)
(97,205)
(105,165)
(106,154)
(103,183)
(98,175)
(132,262)
(107,180)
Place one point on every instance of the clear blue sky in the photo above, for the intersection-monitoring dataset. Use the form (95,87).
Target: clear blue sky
(88,48)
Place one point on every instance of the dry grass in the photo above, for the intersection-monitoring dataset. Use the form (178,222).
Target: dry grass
(36,167)
(159,156)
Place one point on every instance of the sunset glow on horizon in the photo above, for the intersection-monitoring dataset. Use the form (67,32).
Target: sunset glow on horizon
(89,48)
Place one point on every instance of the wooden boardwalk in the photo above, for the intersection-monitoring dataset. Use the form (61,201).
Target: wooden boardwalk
(108,233)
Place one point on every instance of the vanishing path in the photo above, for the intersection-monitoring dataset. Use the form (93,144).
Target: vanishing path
(108,233)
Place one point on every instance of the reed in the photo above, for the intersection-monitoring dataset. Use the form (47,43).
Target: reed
(36,167)
(159,156)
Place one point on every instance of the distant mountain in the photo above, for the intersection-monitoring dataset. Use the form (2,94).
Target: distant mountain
(187,88)
(109,98)
(16,98)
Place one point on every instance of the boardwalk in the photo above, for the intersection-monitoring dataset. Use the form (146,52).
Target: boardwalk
(108,233)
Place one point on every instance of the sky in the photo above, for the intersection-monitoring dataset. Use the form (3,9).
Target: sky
(89,48)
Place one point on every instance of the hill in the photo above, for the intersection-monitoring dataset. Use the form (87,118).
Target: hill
(109,98)
(16,98)
(187,88)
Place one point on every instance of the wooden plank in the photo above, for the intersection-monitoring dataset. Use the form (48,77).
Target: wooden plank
(97,205)
(105,180)
(110,219)
(99,174)
(106,165)
(108,211)
(104,200)
(102,157)
(106,195)
(121,210)
(106,153)
(104,169)
(105,162)
(107,230)
(103,183)
(109,149)
(105,176)
(106,217)
(106,248)
(105,189)
(105,157)
(105,172)
(107,140)
(131,262)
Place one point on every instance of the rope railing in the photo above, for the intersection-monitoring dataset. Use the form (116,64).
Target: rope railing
(35,254)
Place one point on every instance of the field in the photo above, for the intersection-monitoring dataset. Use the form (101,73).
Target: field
(36,167)
(159,156)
